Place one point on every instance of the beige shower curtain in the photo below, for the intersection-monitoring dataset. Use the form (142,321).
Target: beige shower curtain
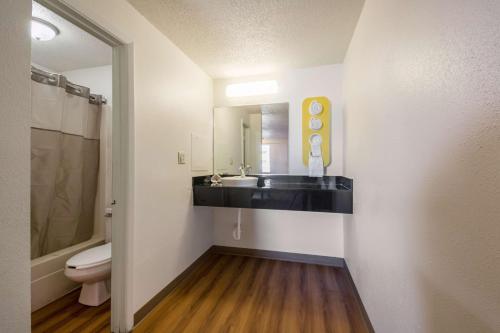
(64,162)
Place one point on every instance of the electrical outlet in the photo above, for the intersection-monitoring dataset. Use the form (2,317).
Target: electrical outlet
(181,157)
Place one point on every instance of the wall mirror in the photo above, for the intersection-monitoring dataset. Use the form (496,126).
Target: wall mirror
(253,136)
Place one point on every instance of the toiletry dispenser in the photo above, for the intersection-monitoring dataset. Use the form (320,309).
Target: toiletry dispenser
(316,134)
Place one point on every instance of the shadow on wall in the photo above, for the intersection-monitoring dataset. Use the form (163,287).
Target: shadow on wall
(252,236)
(459,235)
(280,230)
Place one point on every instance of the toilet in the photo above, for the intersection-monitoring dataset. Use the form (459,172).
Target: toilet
(92,268)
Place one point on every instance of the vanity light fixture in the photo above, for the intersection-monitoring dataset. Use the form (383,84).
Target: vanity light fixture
(252,88)
(42,30)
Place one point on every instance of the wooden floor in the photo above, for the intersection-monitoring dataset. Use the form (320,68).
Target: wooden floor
(67,315)
(232,294)
(244,294)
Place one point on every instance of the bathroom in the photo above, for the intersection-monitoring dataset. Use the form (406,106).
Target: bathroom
(71,161)
(387,222)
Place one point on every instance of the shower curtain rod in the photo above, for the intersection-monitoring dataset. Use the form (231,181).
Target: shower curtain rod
(59,80)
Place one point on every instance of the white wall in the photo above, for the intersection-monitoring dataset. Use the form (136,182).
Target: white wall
(172,98)
(281,230)
(423,146)
(98,79)
(43,68)
(302,232)
(15,166)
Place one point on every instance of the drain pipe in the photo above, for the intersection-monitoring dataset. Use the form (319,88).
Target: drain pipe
(237,227)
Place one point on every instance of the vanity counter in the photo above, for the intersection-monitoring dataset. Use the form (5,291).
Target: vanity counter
(332,194)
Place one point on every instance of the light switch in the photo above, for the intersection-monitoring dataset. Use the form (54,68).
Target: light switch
(181,157)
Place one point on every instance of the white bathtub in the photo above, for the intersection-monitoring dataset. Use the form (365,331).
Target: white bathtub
(48,281)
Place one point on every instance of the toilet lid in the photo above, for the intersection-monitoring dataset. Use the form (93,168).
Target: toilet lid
(92,257)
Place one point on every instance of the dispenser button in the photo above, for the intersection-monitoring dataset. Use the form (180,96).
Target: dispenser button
(315,108)
(315,124)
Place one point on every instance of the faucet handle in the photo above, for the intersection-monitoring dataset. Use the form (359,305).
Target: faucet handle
(243,169)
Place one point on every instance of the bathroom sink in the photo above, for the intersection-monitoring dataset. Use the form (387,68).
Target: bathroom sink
(239,181)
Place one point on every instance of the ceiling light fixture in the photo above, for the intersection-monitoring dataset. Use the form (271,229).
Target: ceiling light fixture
(252,88)
(42,30)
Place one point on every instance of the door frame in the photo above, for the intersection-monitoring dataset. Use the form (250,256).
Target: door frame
(122,314)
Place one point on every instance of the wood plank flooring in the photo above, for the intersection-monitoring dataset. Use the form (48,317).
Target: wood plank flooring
(243,294)
(67,315)
(227,293)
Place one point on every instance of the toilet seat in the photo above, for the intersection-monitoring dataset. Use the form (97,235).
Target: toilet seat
(93,257)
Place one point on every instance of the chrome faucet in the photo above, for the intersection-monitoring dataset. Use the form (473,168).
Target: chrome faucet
(244,170)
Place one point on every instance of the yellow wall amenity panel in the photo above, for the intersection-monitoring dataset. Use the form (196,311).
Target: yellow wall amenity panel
(319,119)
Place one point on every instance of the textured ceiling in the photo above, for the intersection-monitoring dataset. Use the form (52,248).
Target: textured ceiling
(231,38)
(72,49)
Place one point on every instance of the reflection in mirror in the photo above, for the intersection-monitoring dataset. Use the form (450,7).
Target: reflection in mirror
(254,136)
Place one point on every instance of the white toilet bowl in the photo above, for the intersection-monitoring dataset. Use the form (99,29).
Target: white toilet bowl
(92,268)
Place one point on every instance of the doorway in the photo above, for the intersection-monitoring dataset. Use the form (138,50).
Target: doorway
(79,129)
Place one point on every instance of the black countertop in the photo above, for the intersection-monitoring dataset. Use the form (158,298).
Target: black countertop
(284,192)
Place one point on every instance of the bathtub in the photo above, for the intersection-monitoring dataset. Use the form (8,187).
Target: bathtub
(48,281)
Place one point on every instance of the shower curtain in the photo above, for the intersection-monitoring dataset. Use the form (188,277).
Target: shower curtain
(65,129)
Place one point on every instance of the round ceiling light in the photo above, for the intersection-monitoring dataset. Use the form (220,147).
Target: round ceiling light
(42,30)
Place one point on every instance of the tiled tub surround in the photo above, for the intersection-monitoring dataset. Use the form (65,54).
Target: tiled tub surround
(331,194)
